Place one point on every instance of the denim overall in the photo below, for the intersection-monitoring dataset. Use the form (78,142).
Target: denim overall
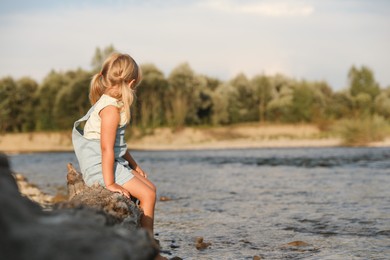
(88,153)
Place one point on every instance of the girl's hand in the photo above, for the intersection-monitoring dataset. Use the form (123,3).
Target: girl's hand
(117,188)
(141,172)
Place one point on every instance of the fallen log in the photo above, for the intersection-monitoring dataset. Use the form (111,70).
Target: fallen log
(120,210)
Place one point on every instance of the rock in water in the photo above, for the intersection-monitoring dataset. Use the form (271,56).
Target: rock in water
(296,243)
(200,244)
(165,198)
(28,232)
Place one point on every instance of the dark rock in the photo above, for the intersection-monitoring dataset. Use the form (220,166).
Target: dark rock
(28,232)
(5,172)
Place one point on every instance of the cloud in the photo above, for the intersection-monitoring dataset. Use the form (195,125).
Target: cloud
(272,9)
(217,38)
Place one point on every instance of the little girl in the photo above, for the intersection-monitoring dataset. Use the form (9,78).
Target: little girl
(101,148)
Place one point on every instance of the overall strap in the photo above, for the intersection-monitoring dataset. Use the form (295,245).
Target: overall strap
(84,118)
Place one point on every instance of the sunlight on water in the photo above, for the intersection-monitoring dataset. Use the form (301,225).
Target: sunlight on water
(255,201)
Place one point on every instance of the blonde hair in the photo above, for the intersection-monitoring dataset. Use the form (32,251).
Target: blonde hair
(118,70)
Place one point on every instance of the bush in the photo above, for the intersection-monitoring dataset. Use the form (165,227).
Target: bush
(356,132)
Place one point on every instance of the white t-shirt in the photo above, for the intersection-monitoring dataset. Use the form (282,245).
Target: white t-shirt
(93,124)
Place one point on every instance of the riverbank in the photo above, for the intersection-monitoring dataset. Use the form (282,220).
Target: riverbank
(76,229)
(32,192)
(189,138)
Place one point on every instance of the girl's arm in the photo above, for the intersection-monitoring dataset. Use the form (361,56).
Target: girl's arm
(109,123)
(133,164)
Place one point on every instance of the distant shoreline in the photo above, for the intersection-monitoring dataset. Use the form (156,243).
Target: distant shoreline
(229,137)
(206,146)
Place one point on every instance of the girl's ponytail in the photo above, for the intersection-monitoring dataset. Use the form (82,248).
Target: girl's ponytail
(97,88)
(127,99)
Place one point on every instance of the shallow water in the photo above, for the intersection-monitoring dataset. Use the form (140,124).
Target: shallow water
(254,201)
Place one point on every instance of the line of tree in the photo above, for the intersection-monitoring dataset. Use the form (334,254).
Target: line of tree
(185,98)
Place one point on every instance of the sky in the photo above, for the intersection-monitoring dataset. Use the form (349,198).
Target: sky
(308,39)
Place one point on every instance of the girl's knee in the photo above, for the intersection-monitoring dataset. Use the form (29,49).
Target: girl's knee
(150,195)
(144,191)
(150,184)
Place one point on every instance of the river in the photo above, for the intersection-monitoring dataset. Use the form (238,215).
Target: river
(249,202)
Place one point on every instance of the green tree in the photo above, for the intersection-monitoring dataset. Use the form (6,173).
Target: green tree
(17,103)
(362,104)
(150,106)
(72,101)
(224,109)
(309,103)
(183,94)
(279,107)
(362,81)
(382,103)
(341,105)
(47,94)
(8,104)
(326,94)
(246,101)
(302,102)
(212,83)
(100,56)
(206,86)
(363,89)
(262,89)
(26,101)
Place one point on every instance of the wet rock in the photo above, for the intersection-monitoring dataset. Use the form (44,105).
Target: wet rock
(165,198)
(28,232)
(200,245)
(296,243)
(299,246)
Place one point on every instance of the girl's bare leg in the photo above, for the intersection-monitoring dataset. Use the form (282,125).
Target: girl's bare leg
(147,196)
(145,191)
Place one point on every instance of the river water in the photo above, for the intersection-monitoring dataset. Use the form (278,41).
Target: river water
(249,202)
